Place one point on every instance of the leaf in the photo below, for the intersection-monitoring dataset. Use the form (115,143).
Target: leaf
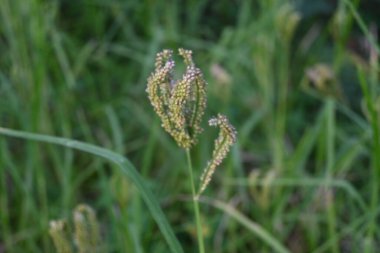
(125,166)
(255,228)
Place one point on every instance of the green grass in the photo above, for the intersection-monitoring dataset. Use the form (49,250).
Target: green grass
(303,176)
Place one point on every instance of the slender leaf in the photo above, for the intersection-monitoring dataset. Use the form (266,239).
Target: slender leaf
(126,167)
(249,224)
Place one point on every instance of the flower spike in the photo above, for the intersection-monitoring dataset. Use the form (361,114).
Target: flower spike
(180,104)
(225,139)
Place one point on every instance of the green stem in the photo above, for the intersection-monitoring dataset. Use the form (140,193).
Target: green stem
(196,205)
(330,159)
(375,161)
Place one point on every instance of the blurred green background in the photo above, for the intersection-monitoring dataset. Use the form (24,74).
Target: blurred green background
(298,79)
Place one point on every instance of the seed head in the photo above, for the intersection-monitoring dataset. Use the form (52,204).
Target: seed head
(58,234)
(225,139)
(187,56)
(163,57)
(180,104)
(86,229)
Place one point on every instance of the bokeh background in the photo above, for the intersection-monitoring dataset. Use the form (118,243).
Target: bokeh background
(290,75)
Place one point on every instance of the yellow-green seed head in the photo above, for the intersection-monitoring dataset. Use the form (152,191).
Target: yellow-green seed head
(222,145)
(163,57)
(179,103)
(86,229)
(187,56)
(58,234)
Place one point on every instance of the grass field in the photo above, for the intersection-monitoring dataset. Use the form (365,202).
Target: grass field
(298,79)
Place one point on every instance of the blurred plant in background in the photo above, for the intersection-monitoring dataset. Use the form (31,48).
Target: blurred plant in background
(86,234)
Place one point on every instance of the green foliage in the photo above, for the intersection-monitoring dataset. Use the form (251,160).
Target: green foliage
(298,79)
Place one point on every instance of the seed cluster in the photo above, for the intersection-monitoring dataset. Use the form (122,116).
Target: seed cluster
(179,103)
(225,139)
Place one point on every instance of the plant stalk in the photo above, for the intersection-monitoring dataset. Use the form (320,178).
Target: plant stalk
(330,159)
(196,205)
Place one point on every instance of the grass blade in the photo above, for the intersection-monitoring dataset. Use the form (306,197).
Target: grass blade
(249,224)
(125,166)
(305,182)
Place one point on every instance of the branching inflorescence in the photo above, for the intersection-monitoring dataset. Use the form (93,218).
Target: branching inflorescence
(181,104)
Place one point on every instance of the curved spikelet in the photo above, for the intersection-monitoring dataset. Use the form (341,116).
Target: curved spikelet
(158,90)
(198,102)
(180,104)
(162,57)
(179,99)
(187,56)
(226,137)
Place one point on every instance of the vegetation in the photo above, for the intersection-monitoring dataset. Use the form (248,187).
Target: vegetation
(299,80)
